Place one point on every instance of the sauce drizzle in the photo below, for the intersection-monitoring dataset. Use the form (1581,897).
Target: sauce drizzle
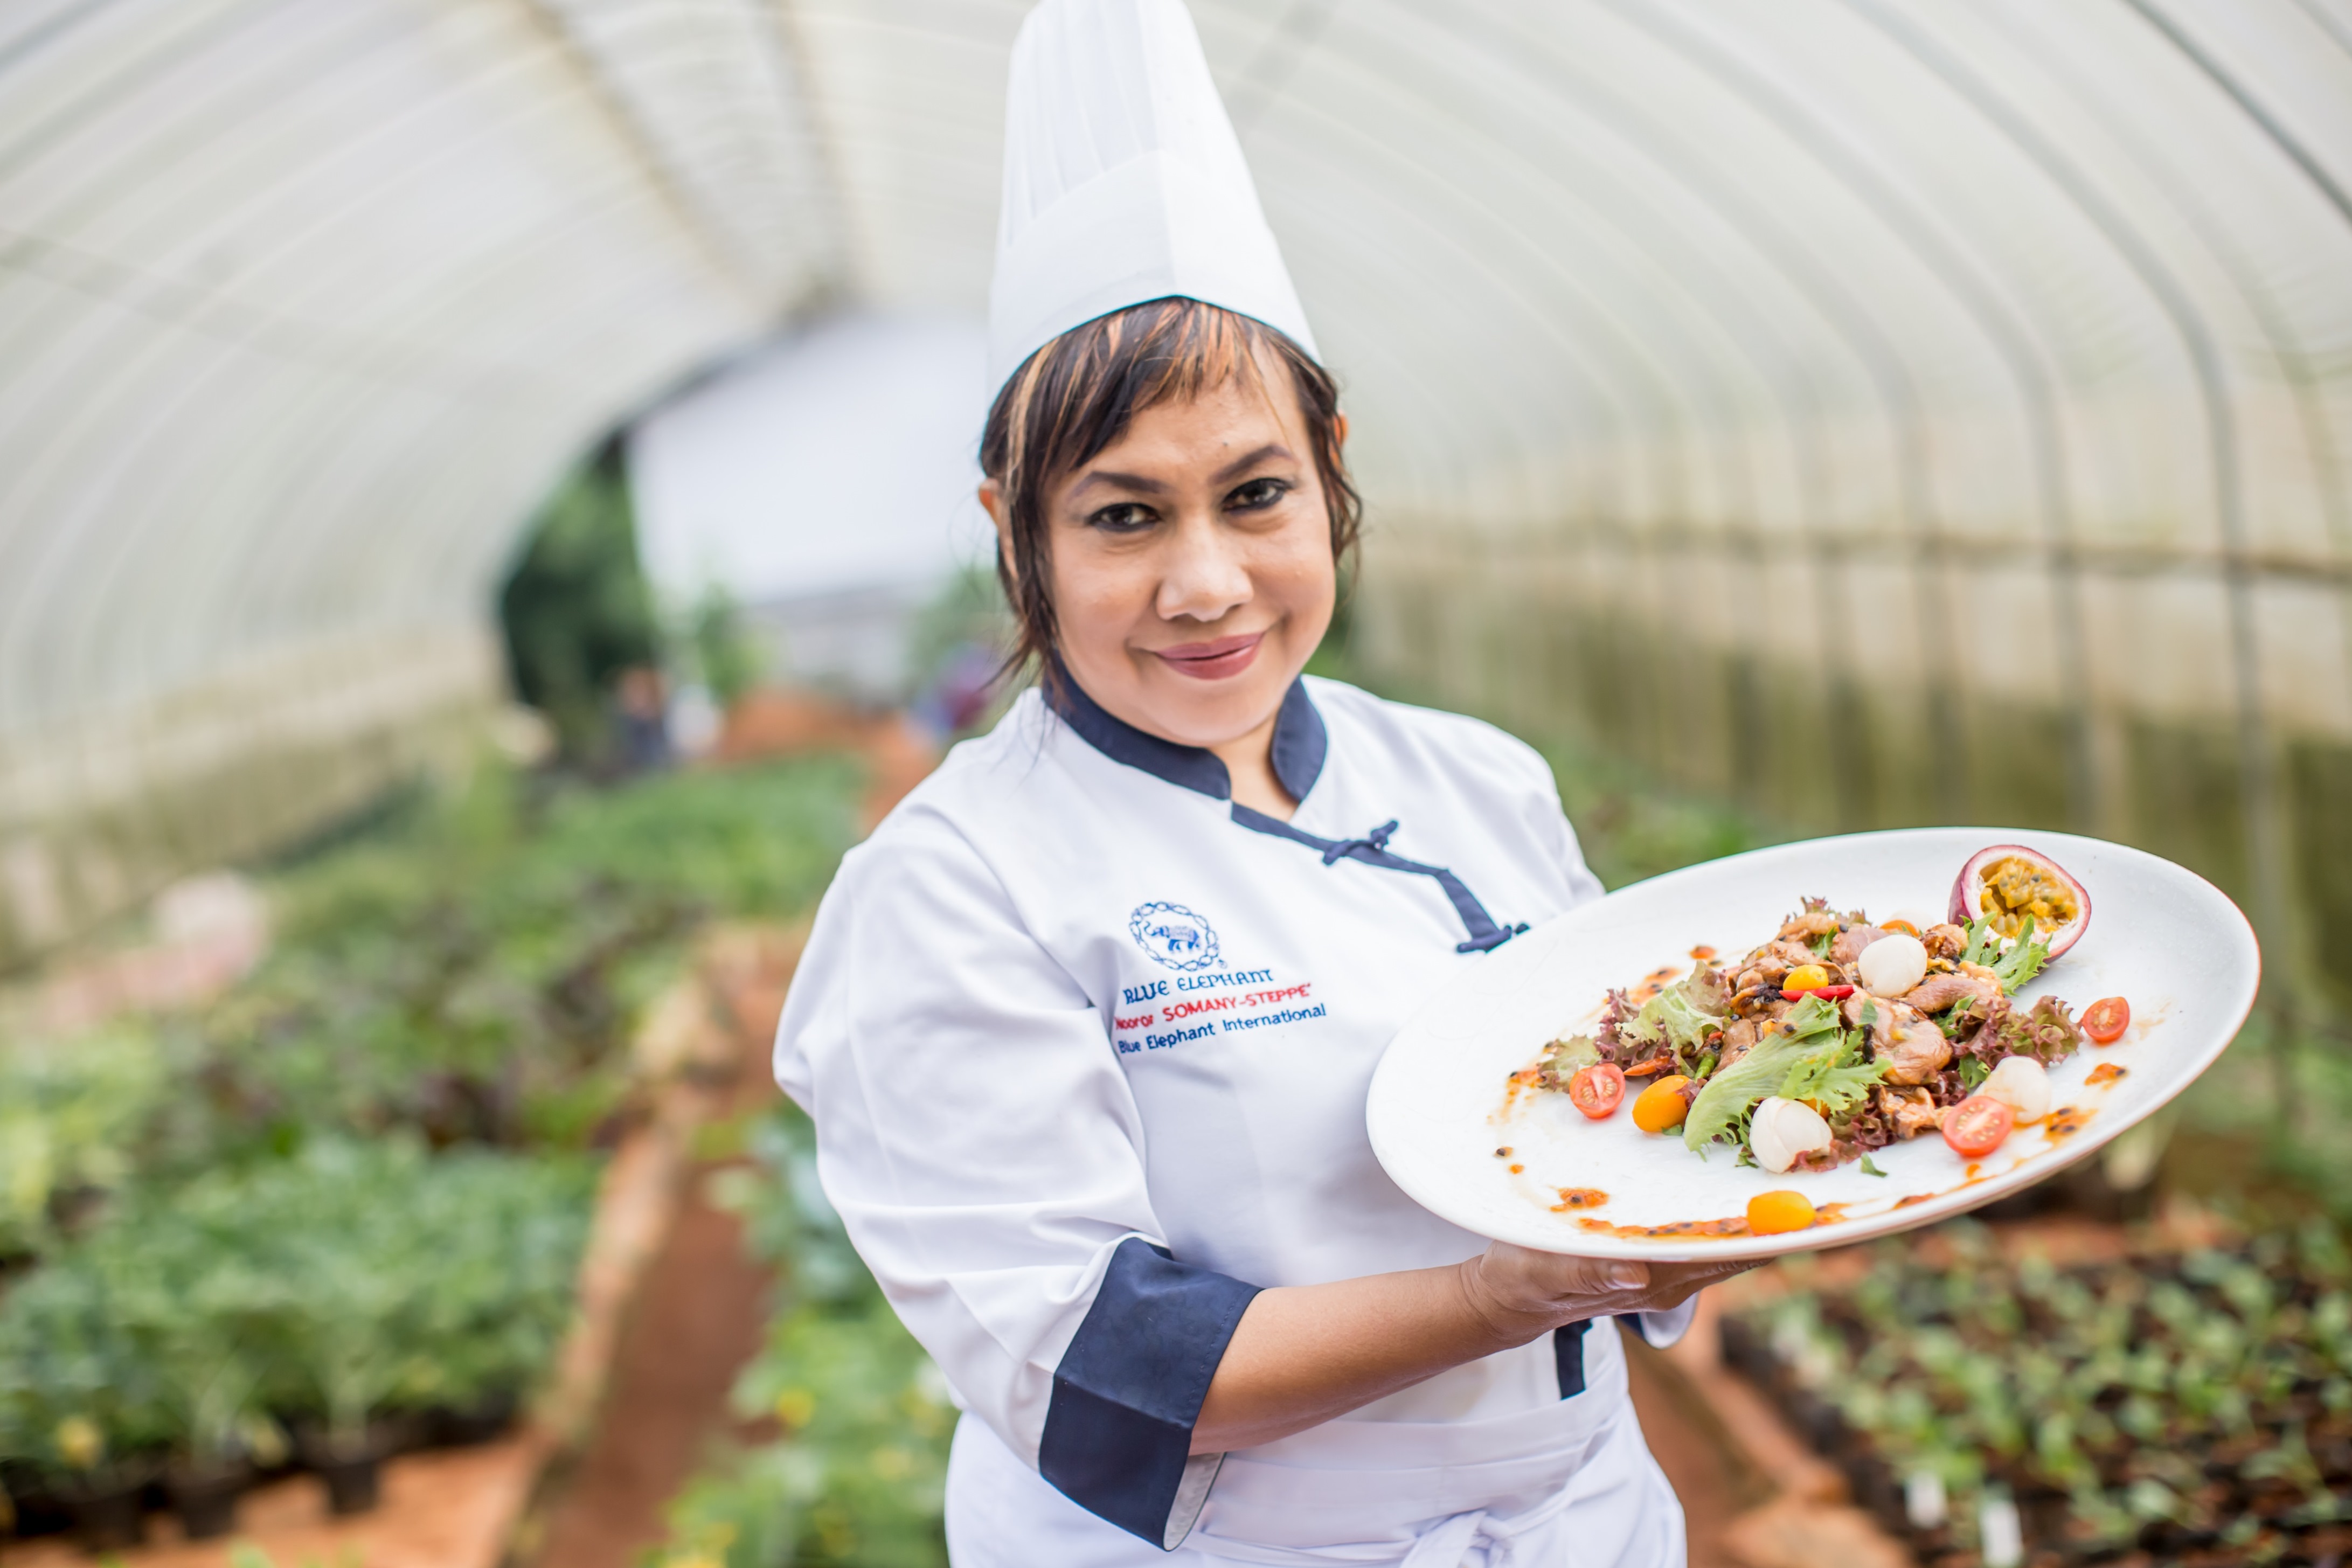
(2067,1120)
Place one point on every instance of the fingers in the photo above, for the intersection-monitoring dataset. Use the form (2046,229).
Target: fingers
(1598,1276)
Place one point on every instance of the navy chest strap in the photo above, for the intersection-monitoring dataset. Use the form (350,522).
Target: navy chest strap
(1373,850)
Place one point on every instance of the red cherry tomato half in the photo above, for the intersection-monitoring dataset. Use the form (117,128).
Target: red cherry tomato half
(1827,993)
(1978,1125)
(2107,1019)
(1597,1091)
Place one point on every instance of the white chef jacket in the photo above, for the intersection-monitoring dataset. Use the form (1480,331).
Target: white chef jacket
(1086,1046)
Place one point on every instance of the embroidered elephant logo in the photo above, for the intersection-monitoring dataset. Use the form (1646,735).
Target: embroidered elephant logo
(1174,935)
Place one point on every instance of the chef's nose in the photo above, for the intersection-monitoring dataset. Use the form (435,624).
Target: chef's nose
(1203,576)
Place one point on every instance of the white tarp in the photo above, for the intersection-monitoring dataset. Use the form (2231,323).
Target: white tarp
(837,459)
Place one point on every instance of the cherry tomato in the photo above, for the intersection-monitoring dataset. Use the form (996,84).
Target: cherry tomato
(1662,1104)
(2107,1019)
(1597,1091)
(1978,1125)
(1804,977)
(1770,1214)
(1828,992)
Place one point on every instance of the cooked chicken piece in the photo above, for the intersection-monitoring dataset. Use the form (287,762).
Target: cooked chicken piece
(1938,991)
(1809,924)
(1913,1110)
(1739,1038)
(1850,942)
(1791,953)
(1919,1052)
(1945,942)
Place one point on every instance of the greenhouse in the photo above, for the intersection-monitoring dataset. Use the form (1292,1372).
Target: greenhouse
(489,524)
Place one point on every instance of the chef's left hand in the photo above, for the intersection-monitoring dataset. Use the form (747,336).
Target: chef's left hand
(1522,1293)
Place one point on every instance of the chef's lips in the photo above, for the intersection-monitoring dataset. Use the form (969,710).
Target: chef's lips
(1213,660)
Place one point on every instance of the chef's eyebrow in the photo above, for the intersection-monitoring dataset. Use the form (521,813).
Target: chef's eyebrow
(1153,487)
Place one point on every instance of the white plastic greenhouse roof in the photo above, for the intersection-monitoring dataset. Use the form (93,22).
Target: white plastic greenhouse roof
(306,302)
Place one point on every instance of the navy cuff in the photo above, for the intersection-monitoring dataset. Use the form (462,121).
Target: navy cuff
(1128,1391)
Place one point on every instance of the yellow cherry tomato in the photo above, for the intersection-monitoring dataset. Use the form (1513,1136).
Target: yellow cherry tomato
(1806,977)
(1770,1214)
(1662,1104)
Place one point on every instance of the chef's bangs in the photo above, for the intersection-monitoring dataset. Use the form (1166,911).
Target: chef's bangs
(1081,392)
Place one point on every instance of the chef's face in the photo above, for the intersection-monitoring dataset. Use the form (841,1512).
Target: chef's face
(1191,563)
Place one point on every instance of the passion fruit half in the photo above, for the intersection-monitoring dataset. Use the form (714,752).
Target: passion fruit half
(2008,882)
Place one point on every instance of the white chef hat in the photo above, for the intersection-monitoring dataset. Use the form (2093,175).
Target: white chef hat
(1123,182)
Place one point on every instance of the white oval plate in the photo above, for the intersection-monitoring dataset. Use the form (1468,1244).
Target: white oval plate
(2162,937)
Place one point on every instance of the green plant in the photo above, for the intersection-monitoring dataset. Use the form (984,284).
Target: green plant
(726,657)
(332,1286)
(576,610)
(70,1119)
(859,1476)
(2169,1402)
(79,1398)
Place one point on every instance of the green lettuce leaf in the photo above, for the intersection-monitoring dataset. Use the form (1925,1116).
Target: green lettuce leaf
(2023,961)
(1673,1020)
(1836,1075)
(1733,1092)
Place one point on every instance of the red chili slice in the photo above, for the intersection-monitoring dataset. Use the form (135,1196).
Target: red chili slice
(1828,992)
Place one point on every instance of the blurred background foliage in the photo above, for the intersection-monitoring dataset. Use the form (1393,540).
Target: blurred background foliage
(350,1192)
(576,610)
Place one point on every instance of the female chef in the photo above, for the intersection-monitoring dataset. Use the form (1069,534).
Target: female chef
(1087,1026)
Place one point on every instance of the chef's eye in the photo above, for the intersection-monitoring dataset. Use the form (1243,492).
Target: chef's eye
(1126,516)
(1257,495)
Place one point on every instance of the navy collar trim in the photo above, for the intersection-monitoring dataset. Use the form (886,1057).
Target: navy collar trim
(1300,741)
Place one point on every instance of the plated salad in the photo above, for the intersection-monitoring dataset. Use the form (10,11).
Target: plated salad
(1841,1035)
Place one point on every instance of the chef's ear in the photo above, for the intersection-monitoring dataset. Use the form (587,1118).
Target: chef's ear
(991,501)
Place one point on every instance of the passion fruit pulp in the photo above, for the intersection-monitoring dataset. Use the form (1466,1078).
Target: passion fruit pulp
(2008,883)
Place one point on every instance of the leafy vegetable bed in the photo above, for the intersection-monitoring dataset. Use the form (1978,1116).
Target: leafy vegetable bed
(2192,1408)
(340,1210)
(856,1474)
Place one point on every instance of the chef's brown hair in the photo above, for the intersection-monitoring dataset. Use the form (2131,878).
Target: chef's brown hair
(1078,394)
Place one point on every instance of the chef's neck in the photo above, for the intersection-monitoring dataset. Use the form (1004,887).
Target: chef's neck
(1249,763)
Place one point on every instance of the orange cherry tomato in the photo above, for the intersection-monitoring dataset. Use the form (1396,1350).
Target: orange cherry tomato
(1905,927)
(1978,1125)
(1772,1213)
(2107,1019)
(1662,1104)
(1597,1091)
(1805,977)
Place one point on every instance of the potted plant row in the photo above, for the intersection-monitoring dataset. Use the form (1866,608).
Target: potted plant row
(2195,1406)
(344,1296)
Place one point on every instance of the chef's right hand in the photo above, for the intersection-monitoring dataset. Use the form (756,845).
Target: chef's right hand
(1521,1293)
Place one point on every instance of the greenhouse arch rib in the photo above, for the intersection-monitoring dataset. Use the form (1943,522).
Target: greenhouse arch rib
(2265,844)
(1946,256)
(1882,360)
(2297,369)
